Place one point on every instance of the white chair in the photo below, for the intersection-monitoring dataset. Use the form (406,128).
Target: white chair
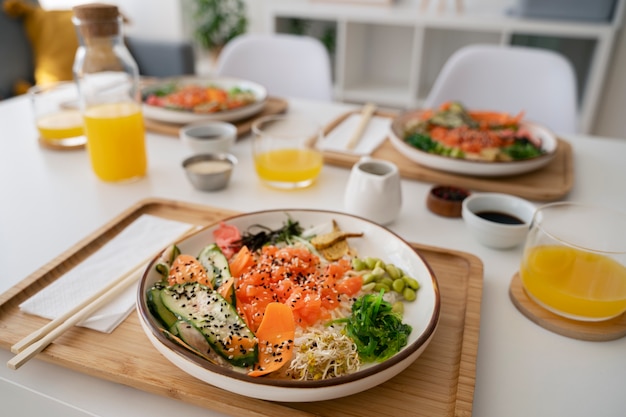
(540,82)
(287,65)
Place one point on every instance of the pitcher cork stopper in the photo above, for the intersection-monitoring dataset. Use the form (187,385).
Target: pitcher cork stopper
(97,19)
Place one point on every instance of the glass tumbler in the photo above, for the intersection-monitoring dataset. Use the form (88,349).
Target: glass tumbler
(574,261)
(57,117)
(285,153)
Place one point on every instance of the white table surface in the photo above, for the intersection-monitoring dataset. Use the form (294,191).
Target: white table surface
(51,200)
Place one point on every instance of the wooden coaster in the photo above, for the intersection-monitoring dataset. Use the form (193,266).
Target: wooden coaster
(274,105)
(49,145)
(598,331)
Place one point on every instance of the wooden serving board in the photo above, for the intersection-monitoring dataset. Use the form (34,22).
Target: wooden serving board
(274,105)
(546,184)
(599,331)
(439,383)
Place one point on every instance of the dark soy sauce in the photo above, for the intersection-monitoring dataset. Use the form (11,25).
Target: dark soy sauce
(499,217)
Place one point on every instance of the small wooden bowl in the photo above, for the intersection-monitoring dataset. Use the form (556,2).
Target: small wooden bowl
(446,200)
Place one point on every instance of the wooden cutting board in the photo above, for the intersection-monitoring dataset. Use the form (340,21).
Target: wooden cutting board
(274,105)
(440,383)
(551,182)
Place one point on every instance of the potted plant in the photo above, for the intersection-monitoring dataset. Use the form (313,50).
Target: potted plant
(218,21)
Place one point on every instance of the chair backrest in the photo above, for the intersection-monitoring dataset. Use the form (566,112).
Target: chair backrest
(287,65)
(160,58)
(540,82)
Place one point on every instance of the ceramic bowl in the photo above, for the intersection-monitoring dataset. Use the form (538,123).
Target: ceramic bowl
(549,144)
(446,200)
(209,172)
(209,137)
(185,116)
(497,220)
(422,314)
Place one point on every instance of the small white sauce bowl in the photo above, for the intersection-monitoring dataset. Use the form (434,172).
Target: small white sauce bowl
(492,233)
(209,137)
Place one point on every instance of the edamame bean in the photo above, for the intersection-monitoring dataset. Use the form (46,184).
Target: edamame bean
(411,282)
(380,286)
(368,287)
(393,271)
(398,285)
(378,272)
(370,262)
(409,294)
(358,264)
(369,277)
(387,281)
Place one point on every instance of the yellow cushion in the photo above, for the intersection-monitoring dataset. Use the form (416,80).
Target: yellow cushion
(52,36)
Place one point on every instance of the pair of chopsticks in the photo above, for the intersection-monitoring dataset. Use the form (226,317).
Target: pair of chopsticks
(31,345)
(366,115)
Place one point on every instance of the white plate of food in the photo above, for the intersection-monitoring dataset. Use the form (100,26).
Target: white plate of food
(192,99)
(479,143)
(362,257)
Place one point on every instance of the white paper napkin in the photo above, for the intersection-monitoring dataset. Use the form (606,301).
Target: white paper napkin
(374,134)
(144,237)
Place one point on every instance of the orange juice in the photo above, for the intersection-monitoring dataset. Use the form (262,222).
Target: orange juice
(62,125)
(289,166)
(116,141)
(575,283)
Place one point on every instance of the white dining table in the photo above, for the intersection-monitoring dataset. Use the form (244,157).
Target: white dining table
(51,200)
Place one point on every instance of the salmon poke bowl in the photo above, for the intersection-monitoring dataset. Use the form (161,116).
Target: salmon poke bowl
(484,143)
(290,305)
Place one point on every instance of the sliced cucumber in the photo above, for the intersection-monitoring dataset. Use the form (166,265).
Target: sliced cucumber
(215,263)
(215,318)
(165,260)
(158,310)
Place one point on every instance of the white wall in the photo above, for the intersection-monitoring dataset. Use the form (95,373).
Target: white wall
(156,19)
(169,19)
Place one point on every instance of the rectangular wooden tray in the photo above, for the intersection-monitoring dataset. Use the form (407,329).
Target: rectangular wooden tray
(546,184)
(439,383)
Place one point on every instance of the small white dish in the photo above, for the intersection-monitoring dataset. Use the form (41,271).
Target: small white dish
(183,116)
(210,171)
(549,144)
(498,220)
(209,137)
(422,314)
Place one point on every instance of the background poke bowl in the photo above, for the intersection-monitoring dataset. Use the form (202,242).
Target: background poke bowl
(479,168)
(422,314)
(185,116)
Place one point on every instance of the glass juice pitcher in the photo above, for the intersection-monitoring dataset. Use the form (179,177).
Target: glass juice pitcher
(110,96)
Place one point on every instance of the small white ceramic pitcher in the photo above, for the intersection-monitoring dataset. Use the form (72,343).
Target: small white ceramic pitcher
(373,190)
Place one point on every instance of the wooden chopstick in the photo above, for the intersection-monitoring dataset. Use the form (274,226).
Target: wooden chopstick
(35,342)
(43,339)
(366,115)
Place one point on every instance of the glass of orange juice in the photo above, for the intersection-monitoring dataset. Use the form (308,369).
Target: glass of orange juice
(574,261)
(57,117)
(285,153)
(116,135)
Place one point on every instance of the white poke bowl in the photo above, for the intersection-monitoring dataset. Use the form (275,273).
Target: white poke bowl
(185,116)
(549,145)
(422,314)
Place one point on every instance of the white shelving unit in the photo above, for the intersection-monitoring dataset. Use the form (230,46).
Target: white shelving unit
(392,55)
